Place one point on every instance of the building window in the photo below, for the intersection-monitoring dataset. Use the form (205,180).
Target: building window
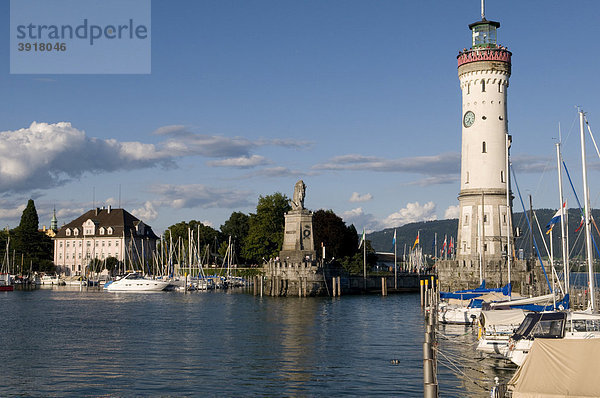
(466,219)
(482,86)
(75,232)
(499,87)
(67,244)
(504,218)
(102,231)
(117,243)
(483,148)
(485,247)
(102,243)
(79,256)
(59,256)
(89,243)
(108,243)
(467,181)
(485,219)
(68,232)
(60,244)
(109,231)
(468,88)
(502,176)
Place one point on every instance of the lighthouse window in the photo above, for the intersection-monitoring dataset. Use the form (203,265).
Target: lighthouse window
(482,86)
(499,87)
(466,219)
(467,181)
(502,176)
(483,148)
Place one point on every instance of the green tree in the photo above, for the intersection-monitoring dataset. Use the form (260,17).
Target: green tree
(202,233)
(355,263)
(237,227)
(266,228)
(34,245)
(331,231)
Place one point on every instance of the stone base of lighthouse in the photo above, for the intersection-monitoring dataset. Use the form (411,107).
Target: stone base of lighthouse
(527,277)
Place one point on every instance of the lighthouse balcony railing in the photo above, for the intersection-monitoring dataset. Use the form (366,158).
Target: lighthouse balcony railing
(483,54)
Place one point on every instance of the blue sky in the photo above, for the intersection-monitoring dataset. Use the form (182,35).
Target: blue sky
(360,99)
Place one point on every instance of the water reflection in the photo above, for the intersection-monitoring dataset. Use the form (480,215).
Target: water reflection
(471,373)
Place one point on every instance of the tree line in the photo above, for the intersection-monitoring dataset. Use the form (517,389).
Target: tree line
(25,247)
(258,237)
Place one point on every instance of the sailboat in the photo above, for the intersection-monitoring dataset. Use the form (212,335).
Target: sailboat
(6,281)
(562,324)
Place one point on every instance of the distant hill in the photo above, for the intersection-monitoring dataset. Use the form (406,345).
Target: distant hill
(381,241)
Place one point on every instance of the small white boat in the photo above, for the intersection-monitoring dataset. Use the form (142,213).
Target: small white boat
(551,325)
(134,282)
(496,327)
(51,280)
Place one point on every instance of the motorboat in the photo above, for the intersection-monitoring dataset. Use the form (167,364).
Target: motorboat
(6,283)
(551,325)
(496,327)
(135,282)
(51,280)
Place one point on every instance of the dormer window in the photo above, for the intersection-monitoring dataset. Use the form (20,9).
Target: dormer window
(101,230)
(75,232)
(109,231)
(68,232)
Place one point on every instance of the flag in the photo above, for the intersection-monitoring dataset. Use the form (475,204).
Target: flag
(580,225)
(445,244)
(394,241)
(451,245)
(555,219)
(416,240)
(362,239)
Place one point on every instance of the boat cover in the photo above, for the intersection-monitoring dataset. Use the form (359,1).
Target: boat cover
(502,317)
(472,293)
(559,368)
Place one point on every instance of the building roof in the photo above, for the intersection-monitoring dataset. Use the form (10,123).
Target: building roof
(121,221)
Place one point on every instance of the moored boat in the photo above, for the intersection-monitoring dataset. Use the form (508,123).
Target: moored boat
(6,283)
(134,282)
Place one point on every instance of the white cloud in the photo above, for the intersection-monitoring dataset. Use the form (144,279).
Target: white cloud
(47,155)
(413,212)
(356,197)
(445,163)
(532,164)
(242,162)
(278,172)
(361,220)
(12,213)
(146,213)
(198,195)
(452,212)
(435,180)
(207,223)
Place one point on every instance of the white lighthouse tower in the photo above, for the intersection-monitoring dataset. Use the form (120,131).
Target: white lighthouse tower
(483,226)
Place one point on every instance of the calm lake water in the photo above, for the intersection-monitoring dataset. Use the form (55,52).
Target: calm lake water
(66,342)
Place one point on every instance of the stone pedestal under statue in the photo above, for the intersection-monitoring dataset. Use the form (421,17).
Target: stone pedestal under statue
(296,272)
(298,244)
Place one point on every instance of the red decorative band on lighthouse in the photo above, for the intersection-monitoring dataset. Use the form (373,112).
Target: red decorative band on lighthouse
(487,54)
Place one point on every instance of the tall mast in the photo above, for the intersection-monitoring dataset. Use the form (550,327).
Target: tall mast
(483,10)
(586,201)
(563,239)
(508,213)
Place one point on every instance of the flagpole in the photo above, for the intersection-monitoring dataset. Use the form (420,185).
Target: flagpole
(563,240)
(395,263)
(365,260)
